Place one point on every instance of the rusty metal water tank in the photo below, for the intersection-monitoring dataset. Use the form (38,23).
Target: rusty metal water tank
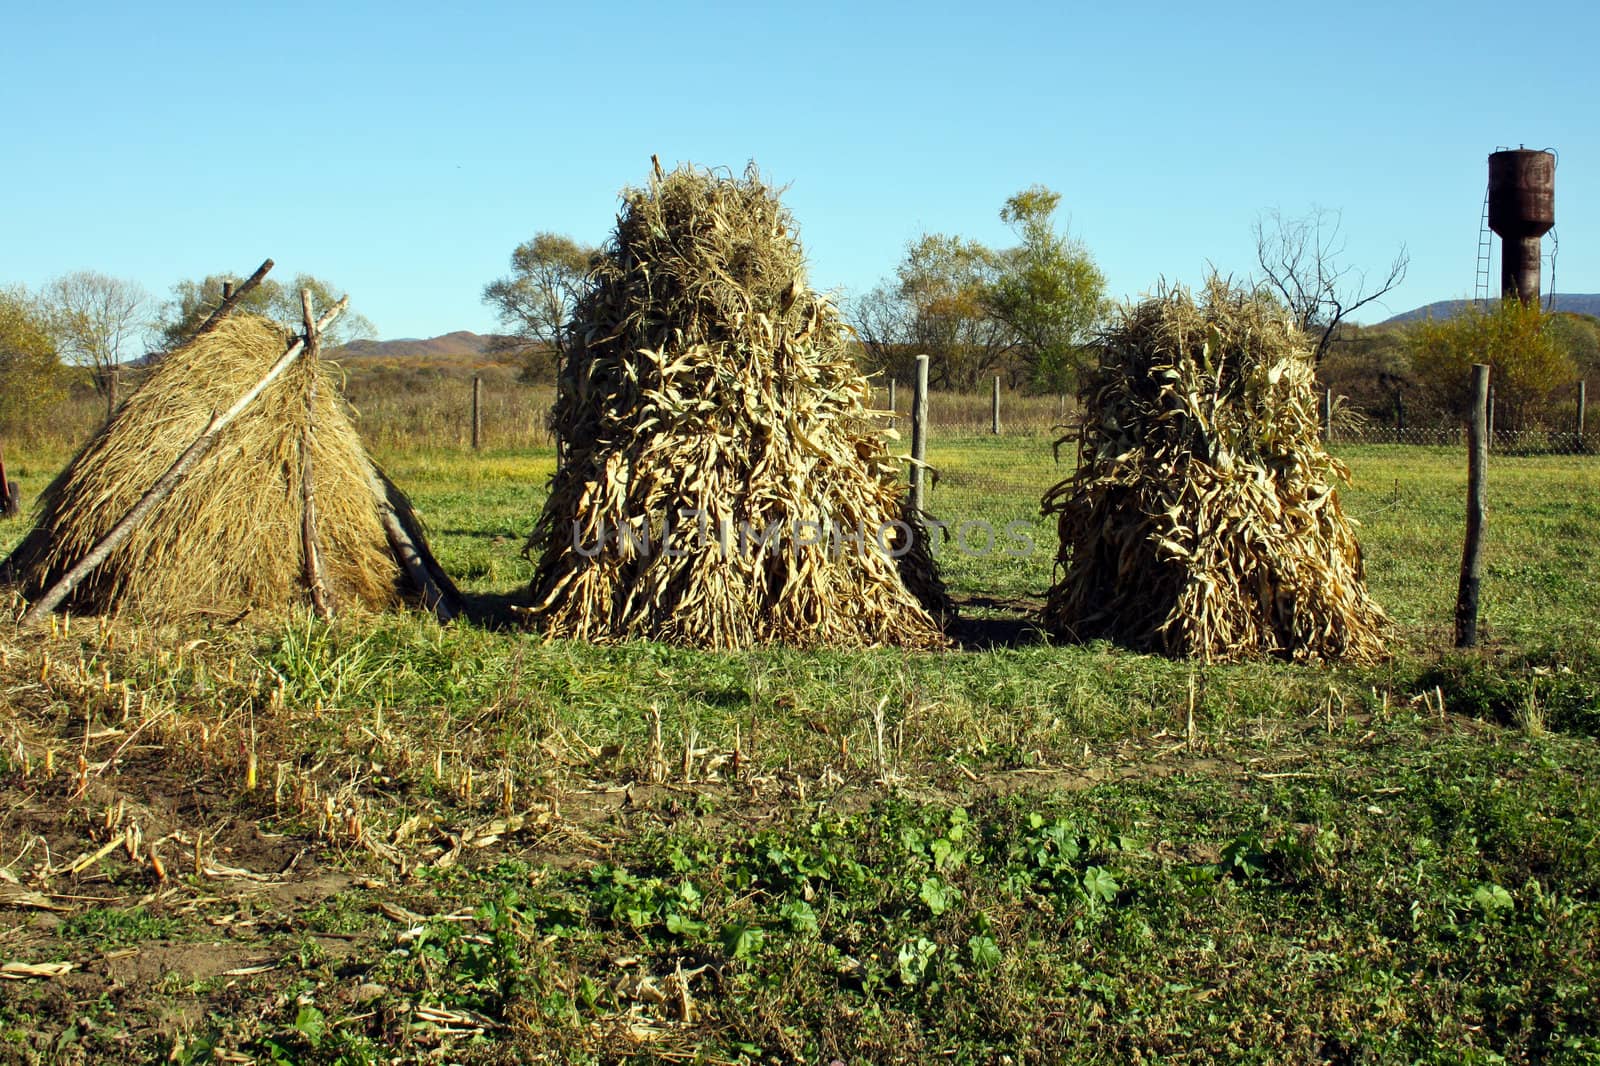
(1522,208)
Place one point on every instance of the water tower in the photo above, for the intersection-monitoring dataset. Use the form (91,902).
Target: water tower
(1522,208)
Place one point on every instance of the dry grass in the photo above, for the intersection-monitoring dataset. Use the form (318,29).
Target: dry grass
(1203,518)
(228,539)
(705,378)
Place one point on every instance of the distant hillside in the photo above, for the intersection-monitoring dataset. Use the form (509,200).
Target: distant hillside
(461,342)
(1577,303)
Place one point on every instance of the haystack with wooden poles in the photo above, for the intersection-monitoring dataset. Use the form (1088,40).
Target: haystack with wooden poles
(722,481)
(231,481)
(1204,519)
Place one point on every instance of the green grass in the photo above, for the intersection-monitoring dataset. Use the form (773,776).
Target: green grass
(1047,853)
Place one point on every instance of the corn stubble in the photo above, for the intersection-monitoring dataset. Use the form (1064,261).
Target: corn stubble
(702,376)
(1203,520)
(228,538)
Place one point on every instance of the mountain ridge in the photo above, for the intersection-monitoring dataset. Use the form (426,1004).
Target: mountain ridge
(1576,302)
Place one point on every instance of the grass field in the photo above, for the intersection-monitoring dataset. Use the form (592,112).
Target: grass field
(381,840)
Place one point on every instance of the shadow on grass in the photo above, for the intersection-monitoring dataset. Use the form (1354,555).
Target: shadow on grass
(496,611)
(983,623)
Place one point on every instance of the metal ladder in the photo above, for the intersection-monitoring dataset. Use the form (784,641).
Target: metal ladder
(1483,290)
(1480,292)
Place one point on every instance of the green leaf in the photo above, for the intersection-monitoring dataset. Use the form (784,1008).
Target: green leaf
(799,916)
(937,895)
(311,1024)
(681,925)
(1493,899)
(1099,885)
(742,941)
(984,952)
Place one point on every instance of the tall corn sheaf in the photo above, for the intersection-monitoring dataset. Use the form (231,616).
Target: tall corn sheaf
(1204,519)
(707,389)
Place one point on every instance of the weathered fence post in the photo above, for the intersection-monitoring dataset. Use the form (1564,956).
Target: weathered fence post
(919,438)
(994,408)
(1061,407)
(1477,472)
(1327,416)
(1489,432)
(477,411)
(1583,406)
(892,408)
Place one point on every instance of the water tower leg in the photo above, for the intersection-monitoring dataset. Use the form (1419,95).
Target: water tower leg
(1519,269)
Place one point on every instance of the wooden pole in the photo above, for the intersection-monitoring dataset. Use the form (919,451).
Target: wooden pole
(477,411)
(892,408)
(230,299)
(1583,407)
(919,439)
(994,408)
(436,590)
(10,503)
(1327,416)
(1477,473)
(1490,434)
(310,551)
(166,482)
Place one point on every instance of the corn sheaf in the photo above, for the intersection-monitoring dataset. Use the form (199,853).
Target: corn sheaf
(1204,519)
(702,375)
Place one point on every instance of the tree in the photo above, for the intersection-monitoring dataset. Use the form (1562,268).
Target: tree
(1526,357)
(193,300)
(945,282)
(32,379)
(882,324)
(1299,258)
(936,305)
(94,319)
(1049,292)
(536,300)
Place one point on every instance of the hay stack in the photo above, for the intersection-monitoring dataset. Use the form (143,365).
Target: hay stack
(1203,519)
(230,536)
(706,386)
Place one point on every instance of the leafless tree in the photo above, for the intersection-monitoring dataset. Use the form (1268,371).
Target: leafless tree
(94,319)
(882,323)
(1300,258)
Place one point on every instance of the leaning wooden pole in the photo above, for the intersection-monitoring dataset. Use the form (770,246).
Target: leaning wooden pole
(438,594)
(231,298)
(9,503)
(1477,474)
(321,602)
(52,597)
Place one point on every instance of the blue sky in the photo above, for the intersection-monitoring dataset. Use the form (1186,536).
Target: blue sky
(402,150)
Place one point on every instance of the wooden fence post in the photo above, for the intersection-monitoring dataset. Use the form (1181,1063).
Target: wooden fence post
(919,439)
(892,407)
(994,408)
(1327,416)
(1489,433)
(1477,472)
(1583,405)
(477,411)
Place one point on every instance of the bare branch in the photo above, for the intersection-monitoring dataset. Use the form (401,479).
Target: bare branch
(1300,260)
